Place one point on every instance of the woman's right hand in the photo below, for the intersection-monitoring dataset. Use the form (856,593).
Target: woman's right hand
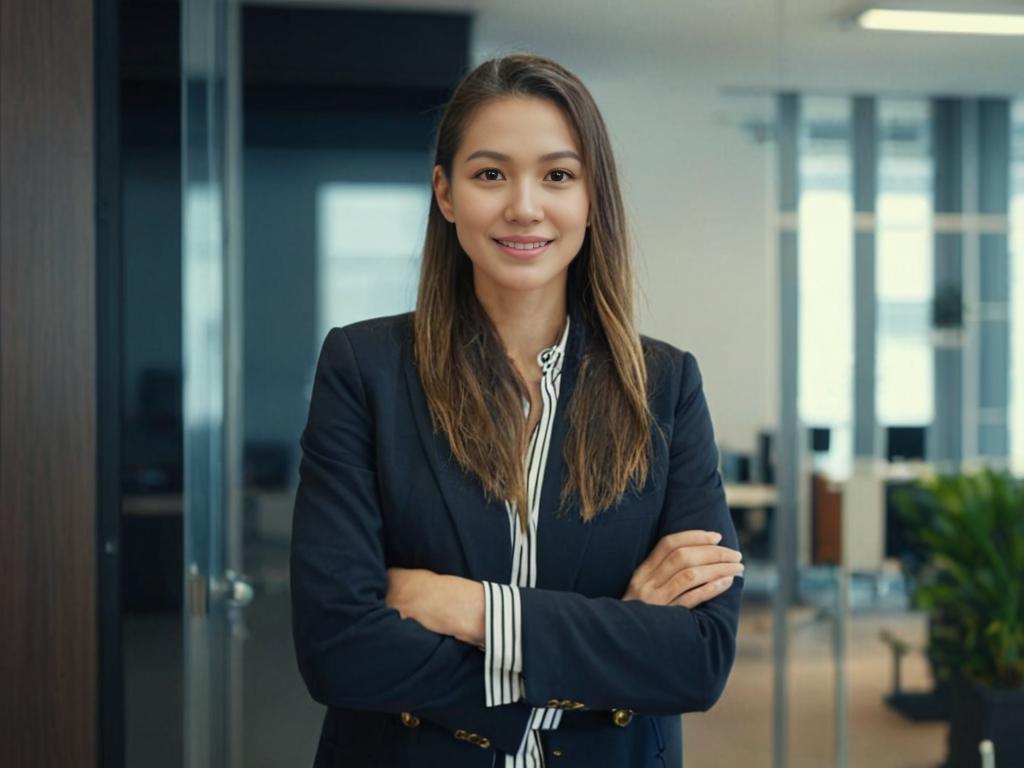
(685,568)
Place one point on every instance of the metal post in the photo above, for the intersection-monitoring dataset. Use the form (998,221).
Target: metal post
(842,609)
(788,454)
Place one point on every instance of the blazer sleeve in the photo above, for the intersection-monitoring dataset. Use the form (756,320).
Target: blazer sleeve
(352,649)
(609,653)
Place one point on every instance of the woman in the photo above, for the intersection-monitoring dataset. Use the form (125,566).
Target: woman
(511,545)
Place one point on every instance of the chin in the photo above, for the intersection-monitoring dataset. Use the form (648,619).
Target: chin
(526,278)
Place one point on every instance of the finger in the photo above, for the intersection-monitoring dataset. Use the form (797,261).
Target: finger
(673,541)
(694,578)
(689,557)
(689,539)
(695,597)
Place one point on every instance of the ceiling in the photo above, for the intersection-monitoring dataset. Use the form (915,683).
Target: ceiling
(808,45)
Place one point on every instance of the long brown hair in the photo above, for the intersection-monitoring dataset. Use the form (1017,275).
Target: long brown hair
(473,390)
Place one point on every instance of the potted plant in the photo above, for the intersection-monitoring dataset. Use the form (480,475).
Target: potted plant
(970,529)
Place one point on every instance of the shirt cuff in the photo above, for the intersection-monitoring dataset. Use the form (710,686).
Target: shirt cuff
(542,719)
(545,719)
(503,644)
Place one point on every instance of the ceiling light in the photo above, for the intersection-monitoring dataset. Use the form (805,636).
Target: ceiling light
(941,22)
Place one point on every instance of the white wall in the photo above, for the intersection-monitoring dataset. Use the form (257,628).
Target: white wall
(699,195)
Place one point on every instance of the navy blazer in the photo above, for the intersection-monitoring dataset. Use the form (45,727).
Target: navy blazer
(379,488)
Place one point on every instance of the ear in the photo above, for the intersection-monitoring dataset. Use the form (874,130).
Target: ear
(443,194)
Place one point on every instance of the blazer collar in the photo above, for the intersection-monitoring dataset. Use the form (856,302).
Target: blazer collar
(482,525)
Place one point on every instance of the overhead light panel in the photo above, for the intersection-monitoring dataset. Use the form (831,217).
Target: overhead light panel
(942,22)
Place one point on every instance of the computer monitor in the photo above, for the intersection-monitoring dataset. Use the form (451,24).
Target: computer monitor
(820,439)
(905,443)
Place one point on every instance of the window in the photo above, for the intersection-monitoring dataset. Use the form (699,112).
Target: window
(905,394)
(370,238)
(825,246)
(1017,289)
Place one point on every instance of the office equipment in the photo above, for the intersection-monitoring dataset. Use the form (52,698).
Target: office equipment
(820,439)
(736,467)
(765,458)
(905,443)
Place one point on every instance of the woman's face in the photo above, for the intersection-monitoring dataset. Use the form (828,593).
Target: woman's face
(518,176)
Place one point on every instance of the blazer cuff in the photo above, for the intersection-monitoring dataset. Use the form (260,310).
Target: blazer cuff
(504,727)
(503,645)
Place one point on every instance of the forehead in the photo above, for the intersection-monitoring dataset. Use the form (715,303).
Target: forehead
(522,127)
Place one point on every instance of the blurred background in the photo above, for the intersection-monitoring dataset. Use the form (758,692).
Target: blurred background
(830,217)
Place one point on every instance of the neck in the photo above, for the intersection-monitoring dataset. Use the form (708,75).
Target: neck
(526,322)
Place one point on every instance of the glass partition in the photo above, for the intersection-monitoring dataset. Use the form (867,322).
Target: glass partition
(208,399)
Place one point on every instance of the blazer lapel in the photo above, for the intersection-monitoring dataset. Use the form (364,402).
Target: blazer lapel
(482,526)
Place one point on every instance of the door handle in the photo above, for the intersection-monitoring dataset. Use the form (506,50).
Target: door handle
(239,592)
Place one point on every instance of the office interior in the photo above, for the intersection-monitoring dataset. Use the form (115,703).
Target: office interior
(830,218)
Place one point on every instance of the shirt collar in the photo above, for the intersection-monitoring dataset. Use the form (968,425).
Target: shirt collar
(550,358)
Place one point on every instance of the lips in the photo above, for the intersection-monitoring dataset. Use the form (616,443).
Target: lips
(519,251)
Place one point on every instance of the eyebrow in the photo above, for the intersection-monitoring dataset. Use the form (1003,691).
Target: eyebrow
(505,158)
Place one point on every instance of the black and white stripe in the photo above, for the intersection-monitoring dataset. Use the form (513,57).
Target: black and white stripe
(503,613)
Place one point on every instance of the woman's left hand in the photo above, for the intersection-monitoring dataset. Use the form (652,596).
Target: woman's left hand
(447,605)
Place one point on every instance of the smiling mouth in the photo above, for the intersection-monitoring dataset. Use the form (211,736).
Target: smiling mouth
(523,246)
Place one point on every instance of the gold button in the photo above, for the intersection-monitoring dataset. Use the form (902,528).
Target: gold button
(484,743)
(553,703)
(556,752)
(461,734)
(621,717)
(474,738)
(409,720)
(577,705)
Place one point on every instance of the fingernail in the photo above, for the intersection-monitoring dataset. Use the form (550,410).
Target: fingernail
(727,582)
(716,537)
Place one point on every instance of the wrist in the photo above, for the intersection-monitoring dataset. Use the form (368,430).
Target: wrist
(466,611)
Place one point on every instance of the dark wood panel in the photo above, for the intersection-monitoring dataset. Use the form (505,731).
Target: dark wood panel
(47,385)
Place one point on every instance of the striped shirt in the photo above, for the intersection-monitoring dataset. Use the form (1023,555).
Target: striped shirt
(503,680)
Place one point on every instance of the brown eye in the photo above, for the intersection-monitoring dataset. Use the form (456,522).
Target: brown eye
(564,176)
(489,171)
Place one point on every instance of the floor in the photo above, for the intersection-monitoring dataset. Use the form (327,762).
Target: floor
(738,730)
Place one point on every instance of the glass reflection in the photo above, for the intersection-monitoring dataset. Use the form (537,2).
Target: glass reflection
(369,237)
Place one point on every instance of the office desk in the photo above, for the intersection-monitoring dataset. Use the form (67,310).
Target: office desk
(750,495)
(751,505)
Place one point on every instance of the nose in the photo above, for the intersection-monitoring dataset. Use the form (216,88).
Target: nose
(524,207)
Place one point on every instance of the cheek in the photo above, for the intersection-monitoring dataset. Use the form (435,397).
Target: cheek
(571,213)
(471,240)
(474,219)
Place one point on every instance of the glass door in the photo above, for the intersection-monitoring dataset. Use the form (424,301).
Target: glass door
(215,593)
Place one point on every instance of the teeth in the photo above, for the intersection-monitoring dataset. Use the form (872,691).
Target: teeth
(524,246)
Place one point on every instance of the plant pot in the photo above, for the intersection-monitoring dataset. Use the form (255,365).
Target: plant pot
(978,712)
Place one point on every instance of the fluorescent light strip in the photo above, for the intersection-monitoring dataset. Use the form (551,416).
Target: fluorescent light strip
(943,23)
